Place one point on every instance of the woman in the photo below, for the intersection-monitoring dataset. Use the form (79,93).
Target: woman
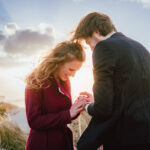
(48,100)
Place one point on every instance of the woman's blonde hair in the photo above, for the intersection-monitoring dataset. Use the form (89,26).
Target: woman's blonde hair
(63,52)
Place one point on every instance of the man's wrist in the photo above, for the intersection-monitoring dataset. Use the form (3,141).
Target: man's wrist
(86,106)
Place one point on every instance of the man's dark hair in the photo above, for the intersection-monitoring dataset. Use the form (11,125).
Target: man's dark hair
(94,21)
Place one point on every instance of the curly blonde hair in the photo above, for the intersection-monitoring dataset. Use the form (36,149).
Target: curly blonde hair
(63,52)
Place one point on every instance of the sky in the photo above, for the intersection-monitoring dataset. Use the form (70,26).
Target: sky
(29,28)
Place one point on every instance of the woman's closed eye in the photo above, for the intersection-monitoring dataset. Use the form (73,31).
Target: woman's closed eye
(72,70)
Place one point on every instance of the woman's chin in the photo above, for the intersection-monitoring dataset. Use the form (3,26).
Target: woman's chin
(63,79)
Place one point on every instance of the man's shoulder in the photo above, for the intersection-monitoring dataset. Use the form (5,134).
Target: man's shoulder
(115,38)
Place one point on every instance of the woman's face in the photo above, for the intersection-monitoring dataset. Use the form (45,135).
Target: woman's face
(68,69)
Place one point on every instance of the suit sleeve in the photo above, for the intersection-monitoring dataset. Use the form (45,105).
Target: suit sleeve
(39,121)
(103,65)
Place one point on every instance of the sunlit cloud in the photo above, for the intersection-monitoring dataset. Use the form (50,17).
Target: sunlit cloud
(9,84)
(17,43)
(27,42)
(9,62)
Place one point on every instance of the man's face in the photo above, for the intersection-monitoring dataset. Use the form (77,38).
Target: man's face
(93,40)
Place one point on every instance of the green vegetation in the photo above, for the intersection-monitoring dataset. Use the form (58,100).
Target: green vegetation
(11,136)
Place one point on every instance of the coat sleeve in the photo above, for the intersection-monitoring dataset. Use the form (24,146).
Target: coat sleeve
(103,65)
(39,121)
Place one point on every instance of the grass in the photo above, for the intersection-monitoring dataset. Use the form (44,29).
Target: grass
(4,107)
(7,106)
(79,125)
(11,136)
(82,121)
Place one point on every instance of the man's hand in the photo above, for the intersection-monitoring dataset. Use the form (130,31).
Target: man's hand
(86,96)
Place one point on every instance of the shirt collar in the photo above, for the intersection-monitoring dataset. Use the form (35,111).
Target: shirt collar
(108,35)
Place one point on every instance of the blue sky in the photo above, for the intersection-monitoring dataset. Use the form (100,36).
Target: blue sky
(28,27)
(130,16)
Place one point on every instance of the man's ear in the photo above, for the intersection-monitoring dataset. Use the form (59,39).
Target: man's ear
(98,32)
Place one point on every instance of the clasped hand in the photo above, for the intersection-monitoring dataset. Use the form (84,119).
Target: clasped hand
(80,102)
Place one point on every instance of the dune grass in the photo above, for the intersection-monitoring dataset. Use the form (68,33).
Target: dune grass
(79,125)
(4,108)
(11,136)
(7,106)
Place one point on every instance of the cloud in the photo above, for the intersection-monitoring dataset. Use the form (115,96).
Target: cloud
(77,0)
(11,28)
(2,38)
(17,43)
(27,42)
(10,87)
(46,28)
(9,61)
(145,3)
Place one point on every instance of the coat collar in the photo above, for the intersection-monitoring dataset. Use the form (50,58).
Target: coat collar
(64,87)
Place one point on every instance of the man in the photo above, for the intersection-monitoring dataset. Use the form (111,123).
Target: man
(120,105)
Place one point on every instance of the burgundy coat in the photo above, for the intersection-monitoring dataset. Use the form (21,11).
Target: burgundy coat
(48,115)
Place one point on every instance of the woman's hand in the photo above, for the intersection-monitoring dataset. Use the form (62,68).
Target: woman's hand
(77,107)
(86,96)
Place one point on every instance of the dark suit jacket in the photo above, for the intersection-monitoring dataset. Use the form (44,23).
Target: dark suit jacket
(48,114)
(121,112)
